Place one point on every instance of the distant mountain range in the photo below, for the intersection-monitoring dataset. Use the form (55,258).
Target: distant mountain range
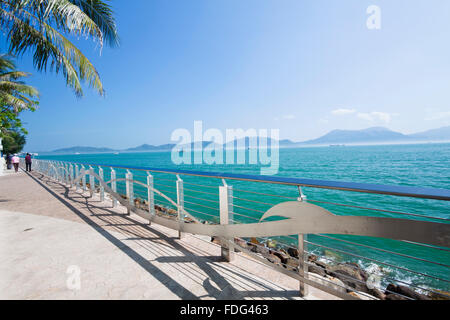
(82,150)
(148,147)
(374,134)
(379,135)
(335,137)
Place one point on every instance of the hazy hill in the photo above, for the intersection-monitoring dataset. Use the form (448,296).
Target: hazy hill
(269,141)
(149,147)
(370,135)
(82,150)
(432,135)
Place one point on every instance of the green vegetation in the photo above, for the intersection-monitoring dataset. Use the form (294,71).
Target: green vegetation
(15,96)
(13,142)
(43,28)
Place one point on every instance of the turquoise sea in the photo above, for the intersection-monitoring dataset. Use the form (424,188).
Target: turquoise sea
(424,165)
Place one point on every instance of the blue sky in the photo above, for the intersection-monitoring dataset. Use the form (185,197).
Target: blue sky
(305,67)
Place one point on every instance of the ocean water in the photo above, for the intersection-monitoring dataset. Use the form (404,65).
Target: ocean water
(424,165)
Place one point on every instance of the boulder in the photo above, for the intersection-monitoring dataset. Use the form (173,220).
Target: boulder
(263,250)
(338,284)
(351,275)
(405,291)
(292,252)
(393,296)
(240,242)
(312,258)
(330,282)
(360,295)
(189,220)
(377,293)
(172,211)
(274,259)
(291,264)
(323,266)
(317,270)
(284,257)
(253,247)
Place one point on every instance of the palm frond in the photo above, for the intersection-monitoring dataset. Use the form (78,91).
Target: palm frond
(16,103)
(102,14)
(13,75)
(38,26)
(6,62)
(51,44)
(19,87)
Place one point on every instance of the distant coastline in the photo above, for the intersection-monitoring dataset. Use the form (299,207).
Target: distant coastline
(280,147)
(365,137)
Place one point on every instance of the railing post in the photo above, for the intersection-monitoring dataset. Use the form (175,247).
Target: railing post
(83,178)
(91,181)
(77,173)
(102,189)
(58,170)
(63,169)
(66,166)
(226,212)
(151,196)
(71,175)
(66,174)
(302,254)
(113,186)
(180,206)
(61,172)
(55,171)
(129,185)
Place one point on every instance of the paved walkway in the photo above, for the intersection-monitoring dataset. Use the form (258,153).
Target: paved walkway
(57,243)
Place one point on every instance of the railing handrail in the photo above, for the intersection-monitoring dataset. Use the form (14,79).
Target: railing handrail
(403,191)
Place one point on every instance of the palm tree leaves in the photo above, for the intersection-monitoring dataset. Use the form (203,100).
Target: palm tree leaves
(15,95)
(35,25)
(102,15)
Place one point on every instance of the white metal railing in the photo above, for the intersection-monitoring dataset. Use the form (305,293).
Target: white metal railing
(241,218)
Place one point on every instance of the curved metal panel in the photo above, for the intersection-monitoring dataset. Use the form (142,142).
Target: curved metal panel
(307,218)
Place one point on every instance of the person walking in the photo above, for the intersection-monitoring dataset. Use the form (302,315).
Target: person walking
(28,162)
(8,161)
(15,161)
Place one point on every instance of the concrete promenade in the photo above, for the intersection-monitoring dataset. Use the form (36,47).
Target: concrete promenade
(57,243)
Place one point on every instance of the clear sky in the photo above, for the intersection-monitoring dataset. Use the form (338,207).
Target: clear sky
(305,67)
